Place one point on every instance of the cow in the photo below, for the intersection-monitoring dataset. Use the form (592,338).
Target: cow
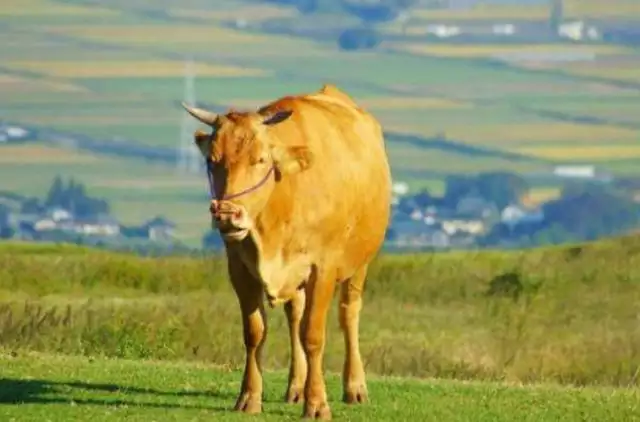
(301,193)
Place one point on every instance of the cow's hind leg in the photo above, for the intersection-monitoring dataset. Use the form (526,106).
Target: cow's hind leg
(298,367)
(353,376)
(319,292)
(250,296)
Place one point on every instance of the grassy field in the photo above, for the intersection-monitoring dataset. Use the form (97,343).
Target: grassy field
(117,70)
(549,334)
(484,316)
(37,387)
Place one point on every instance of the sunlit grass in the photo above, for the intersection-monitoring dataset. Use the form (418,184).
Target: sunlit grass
(128,69)
(35,8)
(490,50)
(586,152)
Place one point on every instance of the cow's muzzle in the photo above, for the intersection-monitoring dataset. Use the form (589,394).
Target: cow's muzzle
(231,220)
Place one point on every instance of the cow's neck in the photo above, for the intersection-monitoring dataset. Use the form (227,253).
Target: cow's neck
(271,257)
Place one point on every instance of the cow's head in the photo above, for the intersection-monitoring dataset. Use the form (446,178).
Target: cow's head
(246,162)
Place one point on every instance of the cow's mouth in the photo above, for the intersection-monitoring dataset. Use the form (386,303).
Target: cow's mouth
(233,233)
(232,220)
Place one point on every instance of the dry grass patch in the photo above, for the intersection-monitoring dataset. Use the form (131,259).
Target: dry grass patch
(412,103)
(622,73)
(586,152)
(12,84)
(488,50)
(484,11)
(176,181)
(505,135)
(158,34)
(129,69)
(28,8)
(538,196)
(255,12)
(121,117)
(600,9)
(38,154)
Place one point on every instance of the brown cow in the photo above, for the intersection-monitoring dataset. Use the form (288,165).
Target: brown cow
(302,200)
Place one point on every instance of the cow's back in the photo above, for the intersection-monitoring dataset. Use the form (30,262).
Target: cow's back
(341,204)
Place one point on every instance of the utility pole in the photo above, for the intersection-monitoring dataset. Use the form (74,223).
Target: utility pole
(187,153)
(556,15)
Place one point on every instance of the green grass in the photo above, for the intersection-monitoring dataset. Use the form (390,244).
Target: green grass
(38,387)
(142,109)
(544,335)
(562,315)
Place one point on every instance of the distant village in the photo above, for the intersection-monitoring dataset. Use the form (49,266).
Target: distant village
(476,211)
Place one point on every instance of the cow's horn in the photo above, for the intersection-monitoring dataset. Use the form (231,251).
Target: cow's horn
(204,116)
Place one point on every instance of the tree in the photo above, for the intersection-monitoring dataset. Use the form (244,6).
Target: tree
(591,214)
(358,38)
(307,6)
(556,12)
(501,188)
(30,206)
(56,191)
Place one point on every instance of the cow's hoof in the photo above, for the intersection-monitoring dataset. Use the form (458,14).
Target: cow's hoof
(295,394)
(319,411)
(355,394)
(249,403)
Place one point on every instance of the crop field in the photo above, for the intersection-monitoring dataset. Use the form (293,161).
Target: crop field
(455,336)
(584,153)
(116,70)
(484,50)
(573,9)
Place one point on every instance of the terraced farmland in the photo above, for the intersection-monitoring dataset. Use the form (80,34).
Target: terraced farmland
(116,70)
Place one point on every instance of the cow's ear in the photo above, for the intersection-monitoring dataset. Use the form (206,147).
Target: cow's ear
(277,117)
(292,159)
(201,140)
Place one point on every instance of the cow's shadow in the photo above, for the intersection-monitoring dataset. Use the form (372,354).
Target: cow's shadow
(19,391)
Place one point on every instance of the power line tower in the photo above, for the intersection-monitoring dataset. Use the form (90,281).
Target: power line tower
(189,161)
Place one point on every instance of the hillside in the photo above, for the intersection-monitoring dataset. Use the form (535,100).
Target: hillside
(564,315)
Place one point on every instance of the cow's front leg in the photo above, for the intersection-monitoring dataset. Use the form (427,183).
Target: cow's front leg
(294,310)
(318,299)
(353,376)
(254,325)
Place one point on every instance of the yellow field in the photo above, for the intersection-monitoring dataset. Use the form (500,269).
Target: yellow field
(487,50)
(120,118)
(157,34)
(484,11)
(413,103)
(618,73)
(256,12)
(171,181)
(10,84)
(600,9)
(538,196)
(378,103)
(128,69)
(504,134)
(580,153)
(50,8)
(37,154)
